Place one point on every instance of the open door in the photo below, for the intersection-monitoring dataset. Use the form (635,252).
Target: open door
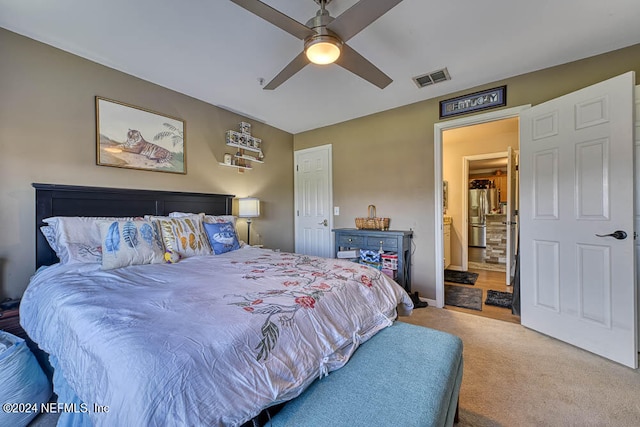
(576,249)
(512,213)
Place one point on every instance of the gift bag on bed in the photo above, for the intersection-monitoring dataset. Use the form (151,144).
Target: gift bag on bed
(23,384)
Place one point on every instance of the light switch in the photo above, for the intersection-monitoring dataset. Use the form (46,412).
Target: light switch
(336,210)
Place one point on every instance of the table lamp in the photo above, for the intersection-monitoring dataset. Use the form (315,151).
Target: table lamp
(249,207)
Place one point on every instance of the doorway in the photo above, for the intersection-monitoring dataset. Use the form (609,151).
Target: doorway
(485,202)
(475,161)
(455,191)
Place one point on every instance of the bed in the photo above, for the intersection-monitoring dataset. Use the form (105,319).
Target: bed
(213,339)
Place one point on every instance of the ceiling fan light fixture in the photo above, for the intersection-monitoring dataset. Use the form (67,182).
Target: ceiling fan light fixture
(323,49)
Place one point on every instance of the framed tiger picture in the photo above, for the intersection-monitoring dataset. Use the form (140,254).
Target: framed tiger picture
(136,138)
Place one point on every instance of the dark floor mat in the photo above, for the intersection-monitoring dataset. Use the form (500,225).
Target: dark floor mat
(461,296)
(464,277)
(499,299)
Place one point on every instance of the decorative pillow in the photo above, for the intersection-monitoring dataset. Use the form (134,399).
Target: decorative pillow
(78,238)
(129,243)
(217,219)
(184,236)
(222,237)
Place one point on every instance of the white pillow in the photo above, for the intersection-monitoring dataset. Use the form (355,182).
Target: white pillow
(49,233)
(217,219)
(127,242)
(208,219)
(183,214)
(77,238)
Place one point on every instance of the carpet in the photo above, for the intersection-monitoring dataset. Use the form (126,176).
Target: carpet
(546,382)
(464,277)
(498,298)
(464,297)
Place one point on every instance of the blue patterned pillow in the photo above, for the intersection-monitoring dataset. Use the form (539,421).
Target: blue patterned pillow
(129,243)
(222,237)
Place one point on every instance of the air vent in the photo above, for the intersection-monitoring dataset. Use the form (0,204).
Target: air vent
(432,78)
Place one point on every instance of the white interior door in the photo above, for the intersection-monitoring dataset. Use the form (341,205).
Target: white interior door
(512,213)
(576,172)
(313,201)
(636,183)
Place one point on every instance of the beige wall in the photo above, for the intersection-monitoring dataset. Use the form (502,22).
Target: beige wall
(47,135)
(387,159)
(457,143)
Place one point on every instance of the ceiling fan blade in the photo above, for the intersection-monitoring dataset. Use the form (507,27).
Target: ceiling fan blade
(359,16)
(277,18)
(298,63)
(351,60)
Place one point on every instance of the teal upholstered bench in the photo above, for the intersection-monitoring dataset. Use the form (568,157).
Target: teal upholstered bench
(405,375)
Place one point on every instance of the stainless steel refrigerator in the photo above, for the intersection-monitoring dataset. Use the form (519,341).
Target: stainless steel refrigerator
(481,202)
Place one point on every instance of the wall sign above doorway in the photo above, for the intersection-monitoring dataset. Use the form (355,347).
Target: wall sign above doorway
(483,100)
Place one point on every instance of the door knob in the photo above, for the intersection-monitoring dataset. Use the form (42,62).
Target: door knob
(618,234)
(325,223)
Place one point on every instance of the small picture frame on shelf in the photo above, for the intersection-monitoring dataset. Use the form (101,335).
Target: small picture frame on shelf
(227,158)
(232,137)
(245,127)
(242,140)
(256,143)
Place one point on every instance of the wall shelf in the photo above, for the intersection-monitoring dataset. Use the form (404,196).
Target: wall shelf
(245,143)
(250,158)
(244,147)
(236,166)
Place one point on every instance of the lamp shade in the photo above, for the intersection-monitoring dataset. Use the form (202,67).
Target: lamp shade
(248,207)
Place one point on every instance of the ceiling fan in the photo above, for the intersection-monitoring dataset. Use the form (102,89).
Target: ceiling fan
(325,37)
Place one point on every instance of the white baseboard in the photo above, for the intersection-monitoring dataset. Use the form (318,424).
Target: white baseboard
(431,302)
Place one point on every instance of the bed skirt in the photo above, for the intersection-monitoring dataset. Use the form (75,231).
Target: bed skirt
(75,413)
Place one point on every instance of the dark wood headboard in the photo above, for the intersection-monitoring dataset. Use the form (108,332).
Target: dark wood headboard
(72,200)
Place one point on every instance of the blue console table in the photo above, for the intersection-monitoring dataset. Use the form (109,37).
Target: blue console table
(398,241)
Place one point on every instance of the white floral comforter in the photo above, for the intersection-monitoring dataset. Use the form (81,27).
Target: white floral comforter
(211,340)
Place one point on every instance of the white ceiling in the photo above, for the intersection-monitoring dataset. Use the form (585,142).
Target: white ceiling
(215,51)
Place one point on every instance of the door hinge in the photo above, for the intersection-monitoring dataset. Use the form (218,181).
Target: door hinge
(635,235)
(298,213)
(297,170)
(517,167)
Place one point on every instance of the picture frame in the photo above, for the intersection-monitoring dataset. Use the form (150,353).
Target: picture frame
(445,196)
(245,127)
(136,138)
(233,137)
(477,101)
